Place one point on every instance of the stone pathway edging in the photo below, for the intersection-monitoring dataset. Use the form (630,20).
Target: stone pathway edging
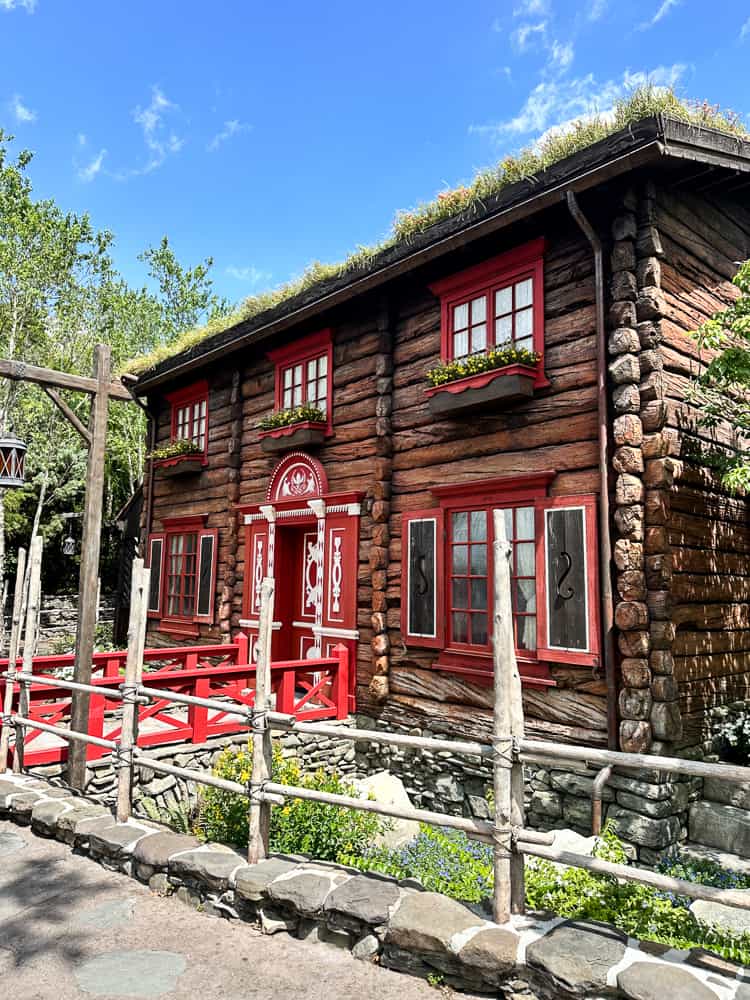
(378,918)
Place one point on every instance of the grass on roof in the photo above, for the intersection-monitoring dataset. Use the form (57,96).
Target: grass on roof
(643,102)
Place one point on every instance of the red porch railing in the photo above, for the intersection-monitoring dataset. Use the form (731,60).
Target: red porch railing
(308,689)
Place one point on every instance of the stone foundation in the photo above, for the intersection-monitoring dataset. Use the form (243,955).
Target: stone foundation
(398,925)
(649,812)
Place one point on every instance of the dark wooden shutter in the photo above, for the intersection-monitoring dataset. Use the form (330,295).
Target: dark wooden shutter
(422,613)
(208,543)
(155,561)
(567,573)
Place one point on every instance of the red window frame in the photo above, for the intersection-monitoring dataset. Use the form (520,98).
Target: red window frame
(505,493)
(183,622)
(191,396)
(484,280)
(315,347)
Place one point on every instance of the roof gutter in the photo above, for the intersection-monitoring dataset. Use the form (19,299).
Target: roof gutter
(605,537)
(586,179)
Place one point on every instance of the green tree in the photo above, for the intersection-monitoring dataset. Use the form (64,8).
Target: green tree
(60,295)
(46,257)
(186,294)
(722,390)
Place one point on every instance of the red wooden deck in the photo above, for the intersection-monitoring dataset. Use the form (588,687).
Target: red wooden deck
(308,689)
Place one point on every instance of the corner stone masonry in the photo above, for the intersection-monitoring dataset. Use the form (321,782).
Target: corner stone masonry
(378,918)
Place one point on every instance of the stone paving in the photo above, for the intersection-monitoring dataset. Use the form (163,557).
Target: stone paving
(97,931)
(70,930)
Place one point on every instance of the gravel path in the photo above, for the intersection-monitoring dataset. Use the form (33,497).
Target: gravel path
(69,929)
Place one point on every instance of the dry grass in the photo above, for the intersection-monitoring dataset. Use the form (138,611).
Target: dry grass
(467,200)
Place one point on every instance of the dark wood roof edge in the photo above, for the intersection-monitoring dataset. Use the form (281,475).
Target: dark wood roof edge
(619,153)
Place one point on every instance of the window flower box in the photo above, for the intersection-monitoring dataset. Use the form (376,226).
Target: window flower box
(180,465)
(179,457)
(304,434)
(497,387)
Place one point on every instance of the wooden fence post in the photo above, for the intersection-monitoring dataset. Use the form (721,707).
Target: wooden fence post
(507,732)
(15,635)
(88,579)
(29,641)
(133,674)
(259,813)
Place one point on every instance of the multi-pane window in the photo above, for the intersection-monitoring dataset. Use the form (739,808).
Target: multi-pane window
(306,382)
(190,422)
(448,571)
(468,562)
(499,302)
(190,414)
(512,319)
(470,570)
(304,374)
(520,531)
(182,555)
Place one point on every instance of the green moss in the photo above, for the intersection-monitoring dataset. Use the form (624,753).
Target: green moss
(643,102)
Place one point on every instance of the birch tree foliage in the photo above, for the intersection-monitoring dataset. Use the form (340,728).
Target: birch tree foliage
(60,295)
(722,390)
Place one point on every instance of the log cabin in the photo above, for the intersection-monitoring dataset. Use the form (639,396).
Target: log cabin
(535,355)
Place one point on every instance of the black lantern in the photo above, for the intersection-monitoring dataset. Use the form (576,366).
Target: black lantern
(69,546)
(12,456)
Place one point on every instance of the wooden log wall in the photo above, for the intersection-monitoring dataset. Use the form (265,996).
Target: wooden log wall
(681,543)
(557,430)
(706,644)
(387,444)
(206,493)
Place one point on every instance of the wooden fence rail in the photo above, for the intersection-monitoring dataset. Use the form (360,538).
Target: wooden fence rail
(510,839)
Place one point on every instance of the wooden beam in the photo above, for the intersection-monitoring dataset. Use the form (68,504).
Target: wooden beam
(60,403)
(19,371)
(88,584)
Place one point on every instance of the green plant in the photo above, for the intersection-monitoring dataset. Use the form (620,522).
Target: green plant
(447,861)
(295,415)
(496,357)
(722,389)
(734,739)
(329,833)
(701,870)
(443,860)
(181,816)
(175,448)
(465,199)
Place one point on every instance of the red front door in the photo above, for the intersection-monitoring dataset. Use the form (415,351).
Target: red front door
(297,592)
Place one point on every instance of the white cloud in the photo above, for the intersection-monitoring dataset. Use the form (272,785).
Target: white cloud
(249,275)
(660,14)
(745,30)
(21,111)
(82,139)
(524,35)
(160,142)
(28,5)
(532,8)
(555,103)
(231,128)
(596,10)
(561,54)
(89,172)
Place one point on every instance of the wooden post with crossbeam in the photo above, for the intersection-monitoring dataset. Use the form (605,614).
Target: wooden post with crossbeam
(101,388)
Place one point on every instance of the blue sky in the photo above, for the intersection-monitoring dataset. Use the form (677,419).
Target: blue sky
(271,134)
